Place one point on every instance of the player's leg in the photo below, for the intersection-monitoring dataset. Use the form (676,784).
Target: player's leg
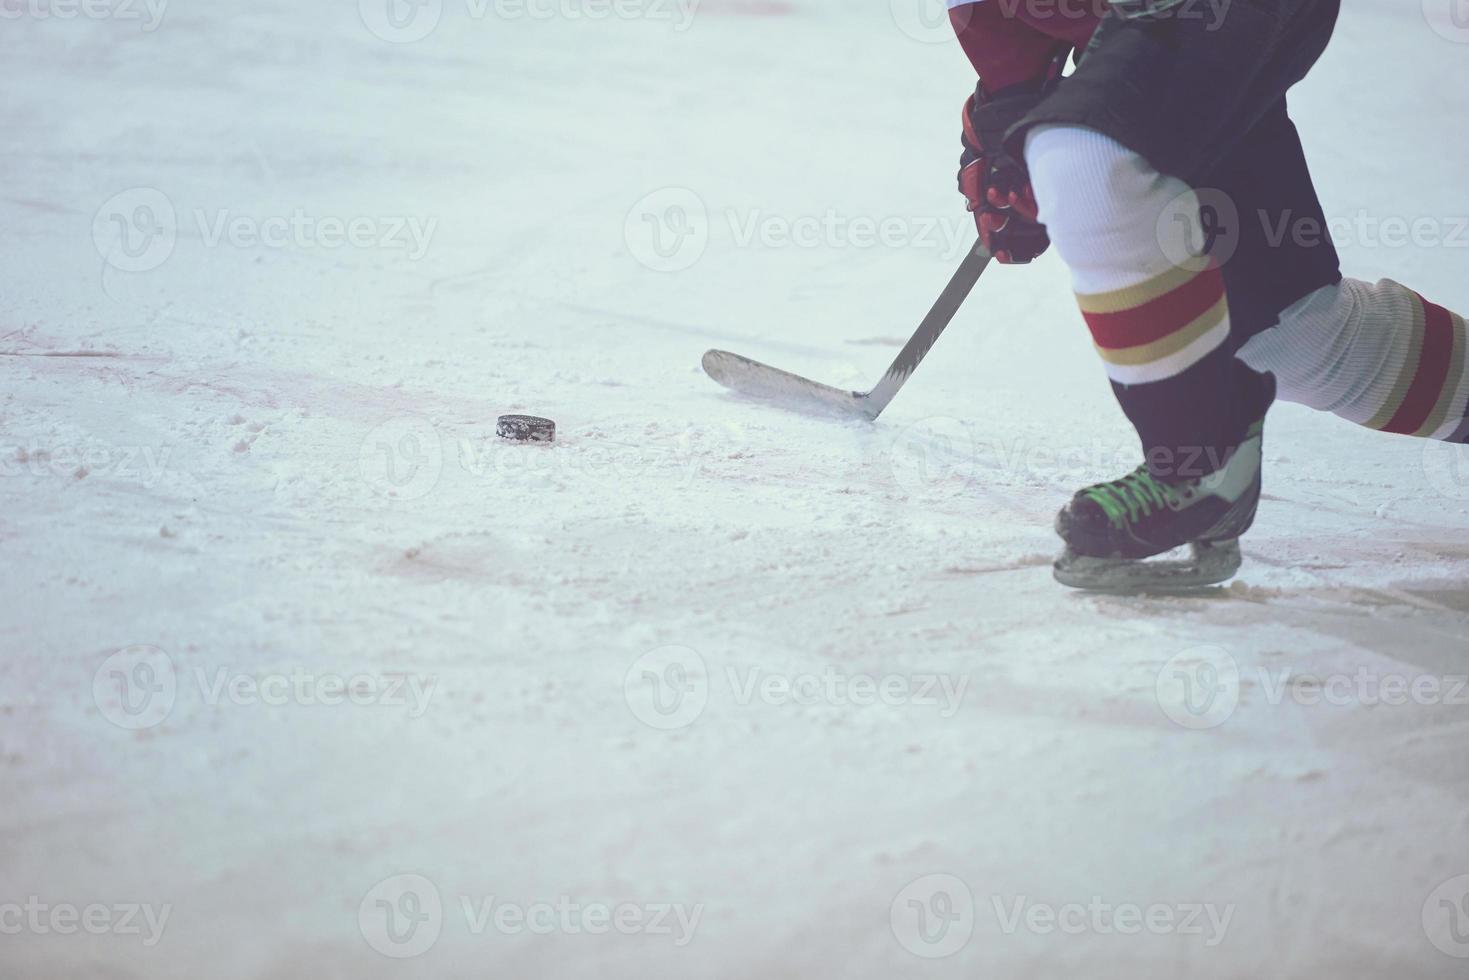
(1159,316)
(1114,156)
(1156,106)
(1379,355)
(1157,310)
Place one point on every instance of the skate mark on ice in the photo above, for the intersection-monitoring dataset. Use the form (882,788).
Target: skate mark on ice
(80,353)
(1452,597)
(457,556)
(1018,565)
(1450,601)
(267,388)
(44,206)
(1314,501)
(1388,622)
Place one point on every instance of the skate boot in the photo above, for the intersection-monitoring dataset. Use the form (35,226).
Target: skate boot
(1112,528)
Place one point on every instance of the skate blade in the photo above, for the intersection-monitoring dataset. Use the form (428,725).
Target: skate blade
(1210,564)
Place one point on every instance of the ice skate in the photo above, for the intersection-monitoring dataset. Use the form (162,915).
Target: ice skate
(1115,531)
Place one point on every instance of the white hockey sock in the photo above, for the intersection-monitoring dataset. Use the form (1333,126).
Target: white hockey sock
(1381,356)
(1153,307)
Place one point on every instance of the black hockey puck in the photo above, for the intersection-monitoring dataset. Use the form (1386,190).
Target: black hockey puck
(525,428)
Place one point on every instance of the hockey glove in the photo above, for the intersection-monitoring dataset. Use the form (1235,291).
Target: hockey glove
(995,182)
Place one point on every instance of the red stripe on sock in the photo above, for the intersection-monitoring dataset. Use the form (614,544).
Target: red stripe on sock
(1433,371)
(1157,319)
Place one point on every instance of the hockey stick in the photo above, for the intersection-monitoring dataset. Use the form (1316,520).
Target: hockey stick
(763,381)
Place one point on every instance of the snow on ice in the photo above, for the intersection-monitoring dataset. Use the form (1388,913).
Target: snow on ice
(306,673)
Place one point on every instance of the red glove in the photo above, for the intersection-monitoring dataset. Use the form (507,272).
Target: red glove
(994,182)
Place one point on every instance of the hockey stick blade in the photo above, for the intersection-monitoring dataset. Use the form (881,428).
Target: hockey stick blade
(763,381)
(750,377)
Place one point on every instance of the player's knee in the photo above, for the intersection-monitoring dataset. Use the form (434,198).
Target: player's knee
(1100,201)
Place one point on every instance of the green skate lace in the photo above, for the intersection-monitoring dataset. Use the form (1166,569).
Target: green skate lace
(1136,494)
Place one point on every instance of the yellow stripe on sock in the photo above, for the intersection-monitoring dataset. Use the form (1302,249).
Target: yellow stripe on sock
(1135,296)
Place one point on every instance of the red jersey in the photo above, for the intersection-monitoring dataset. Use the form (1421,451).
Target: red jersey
(1012,41)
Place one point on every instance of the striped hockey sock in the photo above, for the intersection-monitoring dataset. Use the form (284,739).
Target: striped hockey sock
(1379,355)
(1157,329)
(1158,314)
(1154,310)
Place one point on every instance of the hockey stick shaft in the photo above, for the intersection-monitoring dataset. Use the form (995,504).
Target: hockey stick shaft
(933,325)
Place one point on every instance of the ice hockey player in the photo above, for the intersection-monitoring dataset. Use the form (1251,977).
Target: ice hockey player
(1177,110)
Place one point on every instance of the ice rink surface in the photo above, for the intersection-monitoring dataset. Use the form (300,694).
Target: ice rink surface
(306,674)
